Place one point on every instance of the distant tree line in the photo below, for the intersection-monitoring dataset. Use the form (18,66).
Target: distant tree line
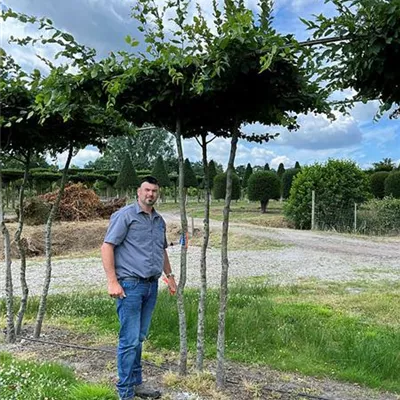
(258,183)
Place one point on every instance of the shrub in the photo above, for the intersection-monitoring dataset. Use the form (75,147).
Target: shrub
(127,178)
(287,180)
(212,173)
(247,173)
(160,173)
(377,184)
(281,170)
(392,184)
(263,186)
(219,187)
(338,184)
(380,216)
(190,179)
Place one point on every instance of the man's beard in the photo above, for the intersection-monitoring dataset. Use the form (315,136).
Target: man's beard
(150,202)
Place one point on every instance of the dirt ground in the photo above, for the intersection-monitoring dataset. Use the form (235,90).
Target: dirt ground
(243,382)
(68,237)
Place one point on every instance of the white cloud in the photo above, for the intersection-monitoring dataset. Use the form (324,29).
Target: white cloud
(319,132)
(281,159)
(364,113)
(80,159)
(219,151)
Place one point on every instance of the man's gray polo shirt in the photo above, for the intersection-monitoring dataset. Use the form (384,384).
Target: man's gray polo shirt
(139,240)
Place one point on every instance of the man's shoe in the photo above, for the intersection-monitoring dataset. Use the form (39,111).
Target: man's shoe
(145,392)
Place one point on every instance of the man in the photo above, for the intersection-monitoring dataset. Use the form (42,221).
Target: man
(134,256)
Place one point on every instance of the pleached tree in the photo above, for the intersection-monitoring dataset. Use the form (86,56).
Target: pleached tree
(202,82)
(62,102)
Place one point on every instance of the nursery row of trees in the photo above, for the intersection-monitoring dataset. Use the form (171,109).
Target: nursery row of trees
(195,81)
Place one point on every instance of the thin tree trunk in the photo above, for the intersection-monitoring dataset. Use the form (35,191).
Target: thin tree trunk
(13,195)
(7,191)
(182,278)
(203,262)
(50,219)
(175,196)
(264,205)
(10,336)
(21,249)
(225,263)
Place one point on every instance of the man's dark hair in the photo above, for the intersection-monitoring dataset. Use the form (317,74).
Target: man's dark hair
(149,179)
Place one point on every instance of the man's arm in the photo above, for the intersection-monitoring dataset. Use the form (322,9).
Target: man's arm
(168,273)
(107,256)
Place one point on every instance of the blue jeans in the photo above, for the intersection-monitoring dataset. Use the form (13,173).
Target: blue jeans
(134,313)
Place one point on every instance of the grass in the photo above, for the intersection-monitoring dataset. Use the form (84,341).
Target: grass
(203,383)
(281,328)
(241,212)
(347,331)
(238,241)
(21,380)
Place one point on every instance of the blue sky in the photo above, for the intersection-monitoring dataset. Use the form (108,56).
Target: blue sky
(103,24)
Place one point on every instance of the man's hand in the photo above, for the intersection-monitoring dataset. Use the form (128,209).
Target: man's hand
(172,285)
(115,290)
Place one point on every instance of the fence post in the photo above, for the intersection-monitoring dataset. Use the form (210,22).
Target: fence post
(355,217)
(312,209)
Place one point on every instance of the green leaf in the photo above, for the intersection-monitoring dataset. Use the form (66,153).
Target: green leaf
(67,37)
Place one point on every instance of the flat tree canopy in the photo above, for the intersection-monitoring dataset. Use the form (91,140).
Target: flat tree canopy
(368,56)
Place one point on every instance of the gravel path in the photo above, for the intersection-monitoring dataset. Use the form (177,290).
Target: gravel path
(319,255)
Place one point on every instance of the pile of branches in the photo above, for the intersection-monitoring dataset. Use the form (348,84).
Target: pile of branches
(78,203)
(106,209)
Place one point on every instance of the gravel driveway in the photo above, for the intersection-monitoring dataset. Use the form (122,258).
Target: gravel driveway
(319,255)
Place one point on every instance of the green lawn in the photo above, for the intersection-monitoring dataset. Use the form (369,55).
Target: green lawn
(241,211)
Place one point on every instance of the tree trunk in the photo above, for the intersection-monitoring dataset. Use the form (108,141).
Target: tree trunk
(203,262)
(264,204)
(175,195)
(7,191)
(50,219)
(13,195)
(21,249)
(10,336)
(182,278)
(225,263)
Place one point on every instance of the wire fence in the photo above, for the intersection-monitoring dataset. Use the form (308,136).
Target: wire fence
(375,217)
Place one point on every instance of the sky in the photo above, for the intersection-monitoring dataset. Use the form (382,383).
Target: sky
(103,25)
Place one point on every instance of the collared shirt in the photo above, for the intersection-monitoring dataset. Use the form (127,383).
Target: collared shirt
(139,239)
